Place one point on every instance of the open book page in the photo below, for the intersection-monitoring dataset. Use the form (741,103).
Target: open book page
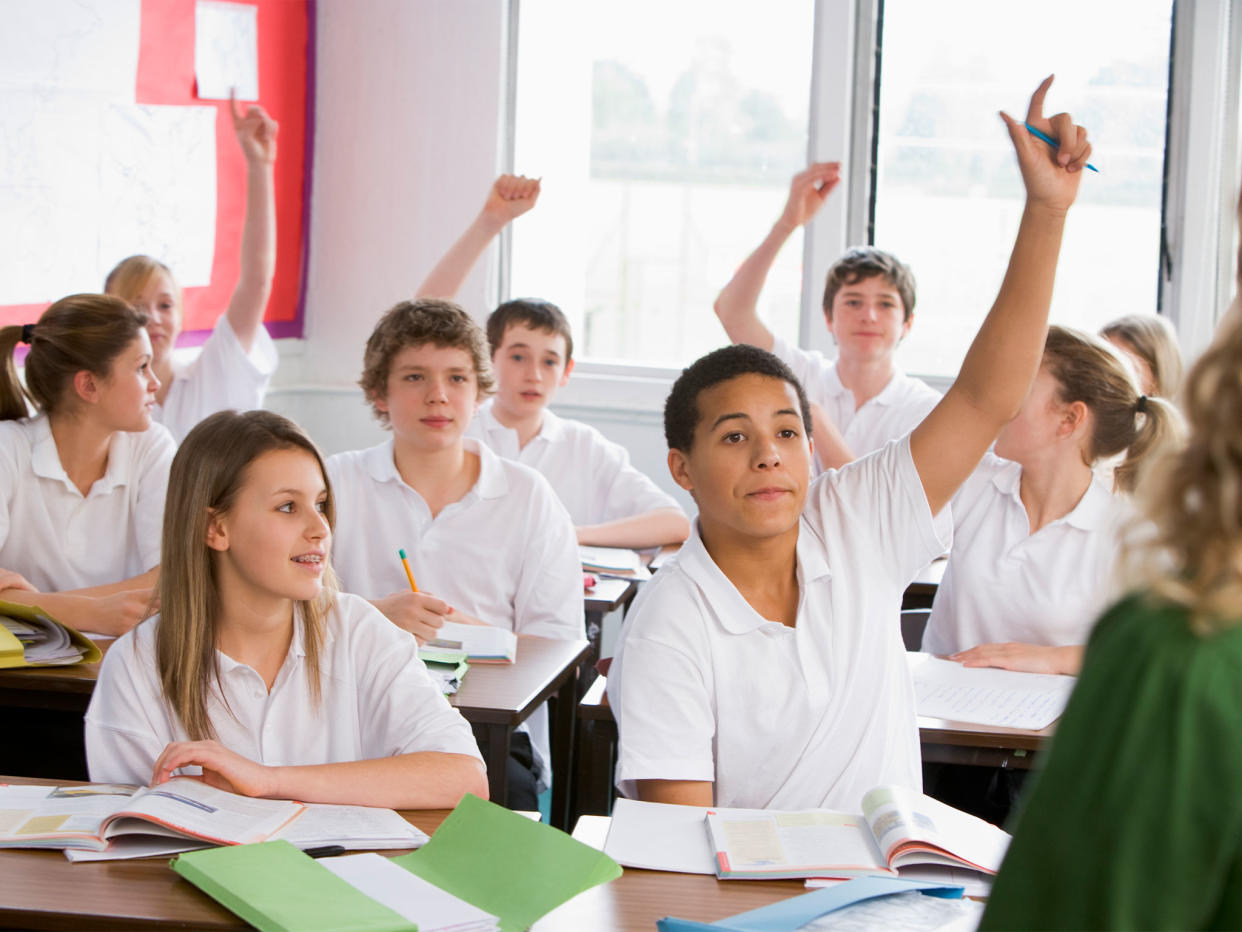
(612,561)
(659,837)
(408,895)
(913,828)
(792,844)
(986,696)
(482,643)
(55,817)
(193,808)
(352,827)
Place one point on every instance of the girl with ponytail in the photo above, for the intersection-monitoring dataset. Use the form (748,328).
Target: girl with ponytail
(1035,532)
(82,480)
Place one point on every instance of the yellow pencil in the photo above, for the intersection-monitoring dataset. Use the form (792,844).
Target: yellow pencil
(408,573)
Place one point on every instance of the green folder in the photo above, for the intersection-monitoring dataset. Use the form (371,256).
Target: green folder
(275,887)
(506,864)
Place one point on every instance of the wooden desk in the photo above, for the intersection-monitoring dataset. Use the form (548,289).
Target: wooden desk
(43,890)
(608,595)
(496,698)
(941,741)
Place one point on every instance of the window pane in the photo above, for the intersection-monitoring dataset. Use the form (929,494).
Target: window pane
(666,133)
(948,193)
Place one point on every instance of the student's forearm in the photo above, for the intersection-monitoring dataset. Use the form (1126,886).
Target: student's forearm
(650,529)
(44,599)
(449,274)
(423,780)
(677,792)
(1003,359)
(831,450)
(258,254)
(737,303)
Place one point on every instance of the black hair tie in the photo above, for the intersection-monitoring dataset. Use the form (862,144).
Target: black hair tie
(1141,407)
(28,333)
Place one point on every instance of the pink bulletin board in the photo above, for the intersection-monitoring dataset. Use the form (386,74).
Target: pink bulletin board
(286,90)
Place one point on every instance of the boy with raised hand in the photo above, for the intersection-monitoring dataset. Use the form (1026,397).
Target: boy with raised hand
(860,401)
(612,504)
(772,637)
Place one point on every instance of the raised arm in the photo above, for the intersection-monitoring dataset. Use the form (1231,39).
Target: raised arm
(510,197)
(1004,357)
(736,304)
(256,134)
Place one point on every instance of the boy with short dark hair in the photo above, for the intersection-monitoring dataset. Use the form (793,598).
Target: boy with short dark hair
(487,540)
(612,503)
(763,667)
(860,400)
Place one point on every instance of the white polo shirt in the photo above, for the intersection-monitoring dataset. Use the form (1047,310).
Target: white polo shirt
(704,688)
(591,475)
(899,407)
(505,553)
(1004,583)
(60,539)
(377,701)
(223,376)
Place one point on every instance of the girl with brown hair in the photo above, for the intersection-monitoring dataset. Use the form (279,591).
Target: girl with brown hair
(82,481)
(257,671)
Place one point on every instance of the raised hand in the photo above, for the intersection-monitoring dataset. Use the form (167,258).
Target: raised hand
(222,768)
(256,132)
(808,191)
(1051,177)
(510,197)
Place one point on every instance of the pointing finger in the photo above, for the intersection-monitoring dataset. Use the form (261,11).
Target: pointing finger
(1036,109)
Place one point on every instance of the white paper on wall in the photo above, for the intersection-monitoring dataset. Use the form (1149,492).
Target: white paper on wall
(87,46)
(226,50)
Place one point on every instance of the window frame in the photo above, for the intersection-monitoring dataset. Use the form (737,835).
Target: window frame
(1197,283)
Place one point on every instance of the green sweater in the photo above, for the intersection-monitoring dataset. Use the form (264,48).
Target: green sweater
(1135,821)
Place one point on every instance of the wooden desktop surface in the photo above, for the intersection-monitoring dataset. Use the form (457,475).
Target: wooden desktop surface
(44,890)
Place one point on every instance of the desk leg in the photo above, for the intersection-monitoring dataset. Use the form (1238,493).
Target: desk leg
(497,758)
(564,716)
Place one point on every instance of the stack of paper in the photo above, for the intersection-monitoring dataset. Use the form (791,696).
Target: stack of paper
(480,643)
(30,637)
(447,666)
(987,696)
(613,561)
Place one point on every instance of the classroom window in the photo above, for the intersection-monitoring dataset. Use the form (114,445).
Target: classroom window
(948,195)
(666,134)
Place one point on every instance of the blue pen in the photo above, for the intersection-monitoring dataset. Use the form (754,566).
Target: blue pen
(1052,142)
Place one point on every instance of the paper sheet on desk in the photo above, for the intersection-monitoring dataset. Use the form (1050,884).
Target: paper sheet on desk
(986,696)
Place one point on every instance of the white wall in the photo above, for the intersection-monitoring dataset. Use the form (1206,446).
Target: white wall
(408,113)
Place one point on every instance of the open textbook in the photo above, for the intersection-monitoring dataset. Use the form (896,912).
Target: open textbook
(106,821)
(987,696)
(897,828)
(29,637)
(613,561)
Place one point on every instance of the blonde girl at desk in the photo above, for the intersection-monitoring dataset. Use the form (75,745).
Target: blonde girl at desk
(1134,820)
(82,481)
(237,361)
(257,671)
(1035,530)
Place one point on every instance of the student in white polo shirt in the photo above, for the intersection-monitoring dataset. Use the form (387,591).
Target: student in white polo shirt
(764,667)
(82,482)
(868,308)
(1036,533)
(257,672)
(486,538)
(612,503)
(235,364)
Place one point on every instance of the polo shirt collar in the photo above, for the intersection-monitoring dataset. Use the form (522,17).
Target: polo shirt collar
(382,467)
(735,613)
(45,458)
(550,430)
(1089,514)
(892,393)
